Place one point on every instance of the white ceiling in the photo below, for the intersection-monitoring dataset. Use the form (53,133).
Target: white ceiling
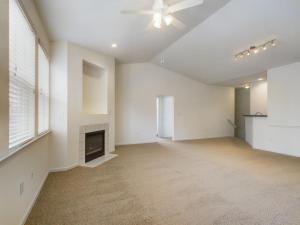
(241,81)
(215,32)
(206,53)
(96,24)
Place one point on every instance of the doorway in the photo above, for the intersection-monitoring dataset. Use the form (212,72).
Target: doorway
(242,107)
(165,117)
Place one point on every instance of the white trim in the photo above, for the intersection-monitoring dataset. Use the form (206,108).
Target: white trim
(285,126)
(173,139)
(98,161)
(135,143)
(28,211)
(202,138)
(62,169)
(274,152)
(15,150)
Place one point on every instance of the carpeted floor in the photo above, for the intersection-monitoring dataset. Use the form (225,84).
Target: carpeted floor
(208,182)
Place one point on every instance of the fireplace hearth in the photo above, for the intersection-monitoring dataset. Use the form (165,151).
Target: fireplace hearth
(94,145)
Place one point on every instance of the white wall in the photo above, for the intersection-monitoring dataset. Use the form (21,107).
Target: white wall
(76,117)
(284,95)
(34,158)
(280,131)
(259,97)
(284,109)
(68,88)
(58,156)
(201,111)
(280,139)
(14,207)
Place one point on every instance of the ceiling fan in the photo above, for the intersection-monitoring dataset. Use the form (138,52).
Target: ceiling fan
(162,12)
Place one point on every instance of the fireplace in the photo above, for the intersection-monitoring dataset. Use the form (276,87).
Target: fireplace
(94,145)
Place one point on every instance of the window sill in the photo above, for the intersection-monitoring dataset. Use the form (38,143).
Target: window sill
(19,148)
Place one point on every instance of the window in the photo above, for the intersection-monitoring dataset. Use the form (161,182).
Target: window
(27,118)
(43,85)
(21,78)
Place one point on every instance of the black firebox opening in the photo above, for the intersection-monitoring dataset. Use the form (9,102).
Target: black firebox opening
(94,145)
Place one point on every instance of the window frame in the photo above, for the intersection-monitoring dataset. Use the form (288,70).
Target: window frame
(38,44)
(18,147)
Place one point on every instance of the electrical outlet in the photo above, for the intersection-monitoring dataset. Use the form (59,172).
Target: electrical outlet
(21,188)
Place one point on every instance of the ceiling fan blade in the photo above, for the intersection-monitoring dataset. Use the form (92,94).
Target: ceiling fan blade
(158,4)
(184,5)
(138,12)
(178,24)
(149,26)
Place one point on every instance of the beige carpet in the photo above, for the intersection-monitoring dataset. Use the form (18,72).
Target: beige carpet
(208,182)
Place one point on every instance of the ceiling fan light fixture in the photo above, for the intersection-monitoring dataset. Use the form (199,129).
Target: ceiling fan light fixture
(161,12)
(168,20)
(157,25)
(157,18)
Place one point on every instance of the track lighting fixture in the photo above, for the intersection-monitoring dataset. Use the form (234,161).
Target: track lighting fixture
(256,49)
(247,86)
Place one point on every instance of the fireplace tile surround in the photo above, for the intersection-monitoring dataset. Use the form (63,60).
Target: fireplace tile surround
(92,128)
(94,145)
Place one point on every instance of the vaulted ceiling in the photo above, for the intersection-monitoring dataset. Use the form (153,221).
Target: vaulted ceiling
(97,24)
(204,50)
(207,52)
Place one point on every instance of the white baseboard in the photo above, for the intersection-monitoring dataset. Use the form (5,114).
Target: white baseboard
(136,143)
(201,138)
(62,169)
(25,217)
(174,139)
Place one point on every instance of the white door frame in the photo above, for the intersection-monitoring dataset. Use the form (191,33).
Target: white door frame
(168,131)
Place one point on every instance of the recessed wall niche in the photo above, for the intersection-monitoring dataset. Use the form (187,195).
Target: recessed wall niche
(94,88)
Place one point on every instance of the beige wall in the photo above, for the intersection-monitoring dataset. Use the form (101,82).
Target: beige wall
(29,165)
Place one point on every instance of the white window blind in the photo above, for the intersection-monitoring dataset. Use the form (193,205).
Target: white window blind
(22,77)
(43,86)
